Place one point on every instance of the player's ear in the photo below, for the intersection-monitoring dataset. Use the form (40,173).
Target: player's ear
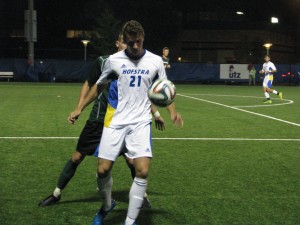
(117,44)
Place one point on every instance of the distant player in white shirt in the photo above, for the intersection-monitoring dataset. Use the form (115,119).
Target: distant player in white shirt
(128,119)
(268,70)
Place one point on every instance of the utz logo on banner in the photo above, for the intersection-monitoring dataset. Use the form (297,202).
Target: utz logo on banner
(234,71)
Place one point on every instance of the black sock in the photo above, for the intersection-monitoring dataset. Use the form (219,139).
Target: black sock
(67,174)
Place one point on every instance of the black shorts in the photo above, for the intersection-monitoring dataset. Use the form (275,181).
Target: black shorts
(89,138)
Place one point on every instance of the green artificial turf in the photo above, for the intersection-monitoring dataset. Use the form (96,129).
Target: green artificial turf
(241,167)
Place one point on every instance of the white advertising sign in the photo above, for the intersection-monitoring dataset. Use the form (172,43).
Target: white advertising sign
(234,71)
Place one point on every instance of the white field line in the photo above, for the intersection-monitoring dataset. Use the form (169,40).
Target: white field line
(38,86)
(238,96)
(287,101)
(242,110)
(175,138)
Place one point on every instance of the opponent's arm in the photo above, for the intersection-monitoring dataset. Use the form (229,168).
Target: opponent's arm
(83,94)
(91,96)
(94,91)
(84,91)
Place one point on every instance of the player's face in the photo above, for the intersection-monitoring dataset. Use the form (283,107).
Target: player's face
(267,58)
(120,44)
(166,52)
(134,45)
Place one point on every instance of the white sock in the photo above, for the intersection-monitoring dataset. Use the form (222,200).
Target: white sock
(105,185)
(267,95)
(129,221)
(275,92)
(57,192)
(136,195)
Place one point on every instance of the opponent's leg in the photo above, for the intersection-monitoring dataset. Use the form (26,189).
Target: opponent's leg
(64,178)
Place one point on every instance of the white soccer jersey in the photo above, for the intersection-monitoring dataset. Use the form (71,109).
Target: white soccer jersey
(268,66)
(128,102)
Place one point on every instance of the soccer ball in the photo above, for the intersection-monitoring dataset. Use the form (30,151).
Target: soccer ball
(162,92)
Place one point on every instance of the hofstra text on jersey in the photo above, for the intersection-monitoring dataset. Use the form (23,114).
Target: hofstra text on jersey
(135,71)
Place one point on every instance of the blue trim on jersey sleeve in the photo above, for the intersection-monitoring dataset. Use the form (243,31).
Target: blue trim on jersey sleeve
(113,94)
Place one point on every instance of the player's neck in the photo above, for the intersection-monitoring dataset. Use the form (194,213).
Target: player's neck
(143,52)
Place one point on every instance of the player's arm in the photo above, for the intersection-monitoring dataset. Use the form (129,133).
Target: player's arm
(159,121)
(273,69)
(175,116)
(261,71)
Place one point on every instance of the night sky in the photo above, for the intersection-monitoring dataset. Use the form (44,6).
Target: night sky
(258,10)
(162,19)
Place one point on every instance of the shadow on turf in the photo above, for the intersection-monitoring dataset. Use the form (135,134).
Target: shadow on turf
(118,216)
(119,196)
(94,198)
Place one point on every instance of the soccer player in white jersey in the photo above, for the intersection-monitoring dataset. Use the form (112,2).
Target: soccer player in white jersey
(268,70)
(128,119)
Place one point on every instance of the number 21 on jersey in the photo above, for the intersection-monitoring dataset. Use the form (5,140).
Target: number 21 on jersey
(135,81)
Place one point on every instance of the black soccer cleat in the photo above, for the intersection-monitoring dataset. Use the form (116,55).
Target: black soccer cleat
(50,200)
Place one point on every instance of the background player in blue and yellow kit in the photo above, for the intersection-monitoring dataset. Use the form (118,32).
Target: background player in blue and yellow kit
(268,70)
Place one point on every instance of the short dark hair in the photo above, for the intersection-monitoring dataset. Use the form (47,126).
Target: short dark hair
(165,48)
(120,37)
(266,55)
(133,28)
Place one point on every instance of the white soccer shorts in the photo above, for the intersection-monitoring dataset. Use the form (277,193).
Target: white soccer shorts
(136,138)
(268,80)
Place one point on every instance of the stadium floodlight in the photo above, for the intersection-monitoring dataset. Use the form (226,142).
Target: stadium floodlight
(274,20)
(240,13)
(268,46)
(85,43)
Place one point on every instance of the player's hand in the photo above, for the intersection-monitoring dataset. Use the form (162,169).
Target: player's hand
(261,71)
(74,116)
(177,119)
(159,123)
